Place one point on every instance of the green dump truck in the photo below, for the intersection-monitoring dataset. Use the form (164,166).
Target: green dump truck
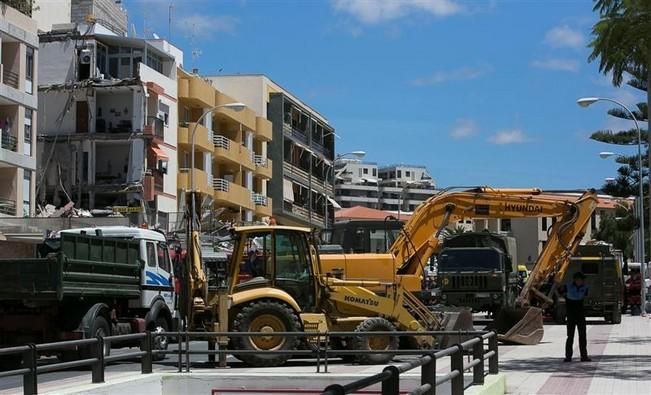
(603,275)
(85,283)
(476,270)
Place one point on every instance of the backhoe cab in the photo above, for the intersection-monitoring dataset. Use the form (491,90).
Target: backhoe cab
(275,284)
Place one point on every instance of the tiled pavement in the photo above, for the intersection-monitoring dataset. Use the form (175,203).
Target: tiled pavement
(621,361)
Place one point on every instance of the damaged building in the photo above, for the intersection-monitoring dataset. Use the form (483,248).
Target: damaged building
(108,122)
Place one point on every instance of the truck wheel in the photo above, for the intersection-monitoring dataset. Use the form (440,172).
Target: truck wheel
(161,342)
(100,327)
(265,316)
(375,343)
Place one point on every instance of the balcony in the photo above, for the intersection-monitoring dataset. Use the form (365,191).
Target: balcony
(229,150)
(231,194)
(202,182)
(7,207)
(245,117)
(303,213)
(155,127)
(263,166)
(263,129)
(196,91)
(294,133)
(201,137)
(262,203)
(296,173)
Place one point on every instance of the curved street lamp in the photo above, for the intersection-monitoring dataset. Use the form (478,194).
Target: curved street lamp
(587,101)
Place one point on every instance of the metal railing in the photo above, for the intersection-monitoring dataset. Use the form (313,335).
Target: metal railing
(221,142)
(7,206)
(10,78)
(220,184)
(320,350)
(9,142)
(259,160)
(389,378)
(259,199)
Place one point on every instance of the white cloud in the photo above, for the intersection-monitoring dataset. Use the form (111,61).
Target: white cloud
(514,136)
(202,25)
(460,74)
(557,64)
(377,11)
(464,128)
(564,36)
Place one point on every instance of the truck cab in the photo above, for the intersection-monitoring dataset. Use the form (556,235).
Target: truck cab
(476,270)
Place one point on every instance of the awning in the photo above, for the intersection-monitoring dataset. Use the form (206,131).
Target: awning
(158,151)
(334,203)
(288,191)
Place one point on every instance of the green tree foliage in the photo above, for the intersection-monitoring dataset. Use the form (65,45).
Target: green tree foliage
(457,230)
(24,6)
(618,230)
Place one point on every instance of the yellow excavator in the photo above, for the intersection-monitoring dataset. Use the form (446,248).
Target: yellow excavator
(420,239)
(274,283)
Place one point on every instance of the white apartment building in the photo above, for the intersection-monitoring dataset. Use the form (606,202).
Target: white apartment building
(108,122)
(18,112)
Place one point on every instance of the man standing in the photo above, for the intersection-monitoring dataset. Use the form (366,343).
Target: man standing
(576,291)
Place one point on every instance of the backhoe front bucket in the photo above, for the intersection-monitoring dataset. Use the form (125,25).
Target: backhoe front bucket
(461,321)
(519,326)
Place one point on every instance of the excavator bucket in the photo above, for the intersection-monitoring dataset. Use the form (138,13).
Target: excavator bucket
(455,321)
(519,326)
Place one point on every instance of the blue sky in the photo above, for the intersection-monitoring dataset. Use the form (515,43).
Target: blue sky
(481,92)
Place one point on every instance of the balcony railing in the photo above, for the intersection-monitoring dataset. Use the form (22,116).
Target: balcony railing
(221,142)
(220,184)
(260,160)
(155,127)
(10,78)
(7,206)
(295,133)
(9,142)
(259,199)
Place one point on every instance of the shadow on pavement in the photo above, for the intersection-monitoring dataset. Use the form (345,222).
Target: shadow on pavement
(609,366)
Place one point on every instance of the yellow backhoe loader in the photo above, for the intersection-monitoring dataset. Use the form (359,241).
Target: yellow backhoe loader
(420,240)
(275,284)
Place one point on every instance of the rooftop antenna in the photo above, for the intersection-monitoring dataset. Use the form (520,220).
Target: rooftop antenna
(169,21)
(196,52)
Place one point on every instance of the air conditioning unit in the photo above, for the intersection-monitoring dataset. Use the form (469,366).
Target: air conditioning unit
(85,56)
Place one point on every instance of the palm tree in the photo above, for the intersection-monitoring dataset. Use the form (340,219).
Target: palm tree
(622,43)
(450,232)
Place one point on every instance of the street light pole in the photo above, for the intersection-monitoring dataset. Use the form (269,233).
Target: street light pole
(585,102)
(232,106)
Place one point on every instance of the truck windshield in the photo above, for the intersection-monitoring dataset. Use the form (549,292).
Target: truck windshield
(474,259)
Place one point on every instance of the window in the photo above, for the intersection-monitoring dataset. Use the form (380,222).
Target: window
(151,254)
(365,170)
(399,173)
(257,255)
(27,189)
(544,223)
(163,257)
(292,261)
(505,225)
(28,132)
(29,76)
(407,173)
(374,172)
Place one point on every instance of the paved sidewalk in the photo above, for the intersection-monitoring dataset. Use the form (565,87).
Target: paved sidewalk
(621,361)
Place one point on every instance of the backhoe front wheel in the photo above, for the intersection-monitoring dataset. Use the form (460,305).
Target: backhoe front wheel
(265,316)
(378,344)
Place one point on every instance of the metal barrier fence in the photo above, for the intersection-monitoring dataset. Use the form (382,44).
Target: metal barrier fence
(389,377)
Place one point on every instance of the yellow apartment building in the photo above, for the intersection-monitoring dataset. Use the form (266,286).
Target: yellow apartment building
(231,168)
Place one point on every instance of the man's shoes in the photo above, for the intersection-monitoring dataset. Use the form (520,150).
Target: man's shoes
(586,359)
(567,360)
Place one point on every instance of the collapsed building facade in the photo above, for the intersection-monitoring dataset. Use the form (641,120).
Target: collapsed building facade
(108,122)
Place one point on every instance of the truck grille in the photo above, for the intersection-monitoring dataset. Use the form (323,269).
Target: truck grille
(469,282)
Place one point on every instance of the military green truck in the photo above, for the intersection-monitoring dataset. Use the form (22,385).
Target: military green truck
(476,270)
(88,282)
(603,275)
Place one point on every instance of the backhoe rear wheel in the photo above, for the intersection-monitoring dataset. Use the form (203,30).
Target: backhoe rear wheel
(375,343)
(265,316)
